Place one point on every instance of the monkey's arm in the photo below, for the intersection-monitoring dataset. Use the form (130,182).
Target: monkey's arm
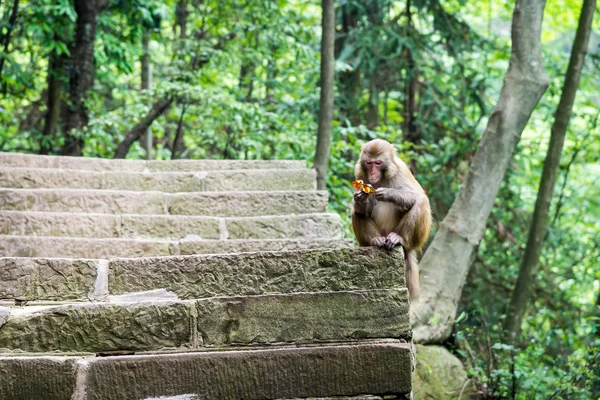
(364,227)
(403,198)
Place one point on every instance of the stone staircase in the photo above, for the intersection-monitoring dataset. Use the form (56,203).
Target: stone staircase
(190,279)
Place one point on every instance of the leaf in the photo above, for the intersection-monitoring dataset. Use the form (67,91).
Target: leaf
(365,187)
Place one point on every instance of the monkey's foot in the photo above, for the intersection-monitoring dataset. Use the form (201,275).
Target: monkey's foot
(392,240)
(378,241)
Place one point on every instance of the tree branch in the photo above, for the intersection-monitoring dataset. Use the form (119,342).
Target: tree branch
(159,108)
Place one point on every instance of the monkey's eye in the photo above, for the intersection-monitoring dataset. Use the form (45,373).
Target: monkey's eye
(378,162)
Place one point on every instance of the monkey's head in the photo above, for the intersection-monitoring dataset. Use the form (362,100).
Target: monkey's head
(377,162)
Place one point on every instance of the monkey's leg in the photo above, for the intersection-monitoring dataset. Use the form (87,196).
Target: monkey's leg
(414,225)
(366,231)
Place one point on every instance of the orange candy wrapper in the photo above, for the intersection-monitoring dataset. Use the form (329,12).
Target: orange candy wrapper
(365,187)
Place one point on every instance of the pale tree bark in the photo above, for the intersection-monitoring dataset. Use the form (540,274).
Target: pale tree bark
(539,223)
(445,264)
(326,100)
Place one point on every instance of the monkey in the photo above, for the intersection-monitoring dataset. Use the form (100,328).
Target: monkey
(398,213)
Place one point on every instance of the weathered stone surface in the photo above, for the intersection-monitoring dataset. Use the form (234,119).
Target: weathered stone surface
(304,317)
(285,226)
(216,204)
(34,223)
(156,324)
(37,378)
(83,200)
(260,273)
(55,246)
(49,178)
(273,179)
(248,203)
(69,247)
(46,279)
(252,245)
(165,181)
(440,375)
(98,164)
(97,327)
(251,180)
(169,227)
(288,372)
(214,165)
(82,163)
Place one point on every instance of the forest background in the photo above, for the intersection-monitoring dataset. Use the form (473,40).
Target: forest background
(240,80)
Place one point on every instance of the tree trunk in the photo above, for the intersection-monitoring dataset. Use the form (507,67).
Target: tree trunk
(5,38)
(410,129)
(146,140)
(247,72)
(539,223)
(373,108)
(81,74)
(178,141)
(159,108)
(447,260)
(349,81)
(55,84)
(181,13)
(326,100)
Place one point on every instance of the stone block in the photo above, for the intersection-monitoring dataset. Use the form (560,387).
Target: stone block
(188,247)
(65,162)
(69,247)
(83,200)
(304,317)
(275,373)
(97,327)
(274,179)
(38,378)
(46,279)
(49,178)
(165,181)
(244,204)
(169,227)
(260,273)
(212,165)
(285,226)
(34,223)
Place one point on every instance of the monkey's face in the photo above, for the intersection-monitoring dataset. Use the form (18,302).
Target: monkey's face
(374,168)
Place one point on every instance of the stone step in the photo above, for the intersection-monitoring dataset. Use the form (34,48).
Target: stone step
(279,372)
(211,181)
(150,325)
(188,277)
(100,164)
(216,204)
(69,247)
(174,227)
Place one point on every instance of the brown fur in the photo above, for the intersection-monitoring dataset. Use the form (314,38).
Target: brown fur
(400,206)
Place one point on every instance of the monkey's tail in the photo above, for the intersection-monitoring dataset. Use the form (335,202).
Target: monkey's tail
(412,274)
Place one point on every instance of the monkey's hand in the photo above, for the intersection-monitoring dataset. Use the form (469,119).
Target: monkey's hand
(360,202)
(378,241)
(393,239)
